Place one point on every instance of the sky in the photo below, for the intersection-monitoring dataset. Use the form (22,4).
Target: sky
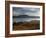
(26,11)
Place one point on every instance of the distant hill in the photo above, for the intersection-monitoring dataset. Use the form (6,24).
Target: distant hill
(25,16)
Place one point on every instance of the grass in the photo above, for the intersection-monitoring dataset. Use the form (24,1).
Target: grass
(33,25)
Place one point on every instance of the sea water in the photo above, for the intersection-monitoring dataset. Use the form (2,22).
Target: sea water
(24,19)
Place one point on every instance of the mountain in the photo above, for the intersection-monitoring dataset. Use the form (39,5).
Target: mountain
(25,16)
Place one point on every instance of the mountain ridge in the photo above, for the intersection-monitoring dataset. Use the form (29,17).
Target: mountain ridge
(25,16)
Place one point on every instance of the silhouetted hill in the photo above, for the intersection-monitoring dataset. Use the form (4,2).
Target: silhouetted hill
(25,16)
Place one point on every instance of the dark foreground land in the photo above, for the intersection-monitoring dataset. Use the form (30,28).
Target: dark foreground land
(33,25)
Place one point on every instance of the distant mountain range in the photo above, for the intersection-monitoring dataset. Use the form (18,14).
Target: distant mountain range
(26,16)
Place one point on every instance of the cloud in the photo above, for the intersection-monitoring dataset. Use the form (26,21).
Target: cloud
(26,11)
